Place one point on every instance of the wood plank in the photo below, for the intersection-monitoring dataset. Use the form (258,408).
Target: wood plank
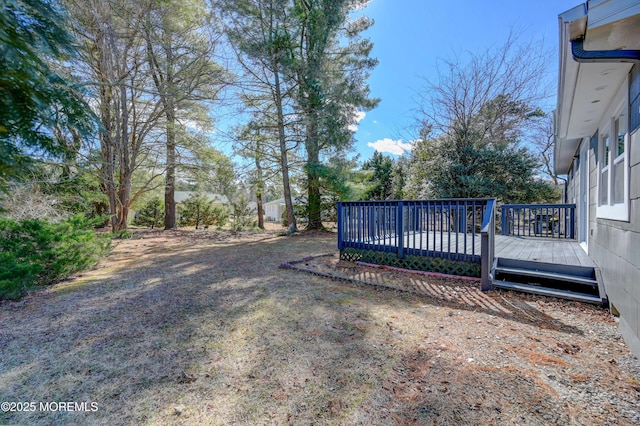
(549,275)
(559,251)
(510,246)
(563,252)
(545,291)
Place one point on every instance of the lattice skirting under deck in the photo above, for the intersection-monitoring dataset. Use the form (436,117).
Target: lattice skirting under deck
(418,263)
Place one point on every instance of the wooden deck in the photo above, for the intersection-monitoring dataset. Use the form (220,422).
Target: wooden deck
(533,263)
(549,250)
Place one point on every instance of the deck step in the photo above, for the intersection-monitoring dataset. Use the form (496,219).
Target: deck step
(552,292)
(572,282)
(556,276)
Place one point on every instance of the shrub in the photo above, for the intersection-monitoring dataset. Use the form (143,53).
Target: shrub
(151,214)
(243,215)
(219,216)
(300,212)
(193,210)
(198,210)
(36,252)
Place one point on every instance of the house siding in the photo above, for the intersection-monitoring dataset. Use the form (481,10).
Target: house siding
(574,189)
(615,245)
(273,210)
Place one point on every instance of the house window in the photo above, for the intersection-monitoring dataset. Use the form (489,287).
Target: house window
(613,182)
(634,99)
(619,163)
(604,170)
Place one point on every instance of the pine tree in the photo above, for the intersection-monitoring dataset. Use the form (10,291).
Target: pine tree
(332,86)
(36,102)
(151,214)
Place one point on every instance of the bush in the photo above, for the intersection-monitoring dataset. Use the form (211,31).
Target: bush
(243,215)
(300,212)
(151,214)
(36,252)
(219,216)
(198,210)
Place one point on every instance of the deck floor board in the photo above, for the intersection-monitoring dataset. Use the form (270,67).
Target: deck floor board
(549,250)
(562,252)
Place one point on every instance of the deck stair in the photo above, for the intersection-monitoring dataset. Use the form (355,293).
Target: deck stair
(581,283)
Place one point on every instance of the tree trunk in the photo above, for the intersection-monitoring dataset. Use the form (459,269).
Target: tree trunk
(259,188)
(170,177)
(291,219)
(313,178)
(125,161)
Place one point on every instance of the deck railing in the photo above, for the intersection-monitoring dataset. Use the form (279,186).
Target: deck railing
(437,228)
(488,244)
(539,220)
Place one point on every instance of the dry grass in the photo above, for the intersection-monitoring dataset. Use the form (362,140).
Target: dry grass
(203,328)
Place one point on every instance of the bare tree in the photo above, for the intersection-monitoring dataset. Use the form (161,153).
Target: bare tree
(259,33)
(478,121)
(28,202)
(543,147)
(180,44)
(113,58)
(489,85)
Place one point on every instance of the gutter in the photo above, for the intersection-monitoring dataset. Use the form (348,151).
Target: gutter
(571,24)
(601,56)
(577,20)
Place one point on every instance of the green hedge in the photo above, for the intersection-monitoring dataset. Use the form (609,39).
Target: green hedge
(37,252)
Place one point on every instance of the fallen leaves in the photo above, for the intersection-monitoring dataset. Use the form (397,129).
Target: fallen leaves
(186,378)
(569,348)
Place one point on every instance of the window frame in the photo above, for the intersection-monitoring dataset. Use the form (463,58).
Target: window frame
(608,159)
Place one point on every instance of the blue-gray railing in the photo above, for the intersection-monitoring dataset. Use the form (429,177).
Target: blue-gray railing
(437,228)
(539,220)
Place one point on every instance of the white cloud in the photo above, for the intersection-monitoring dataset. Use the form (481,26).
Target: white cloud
(389,145)
(197,126)
(358,117)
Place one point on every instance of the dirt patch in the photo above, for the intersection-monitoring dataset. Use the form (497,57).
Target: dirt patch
(204,327)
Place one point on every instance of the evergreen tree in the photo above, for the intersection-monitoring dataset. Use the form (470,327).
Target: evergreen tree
(243,216)
(198,210)
(399,176)
(180,47)
(37,104)
(264,36)
(332,86)
(380,179)
(151,214)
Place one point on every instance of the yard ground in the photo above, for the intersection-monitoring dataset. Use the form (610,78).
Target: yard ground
(202,327)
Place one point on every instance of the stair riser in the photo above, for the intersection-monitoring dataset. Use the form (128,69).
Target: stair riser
(541,291)
(533,275)
(552,268)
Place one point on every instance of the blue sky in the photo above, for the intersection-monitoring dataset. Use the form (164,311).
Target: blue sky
(410,36)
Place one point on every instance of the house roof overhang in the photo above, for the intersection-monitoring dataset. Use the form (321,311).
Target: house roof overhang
(586,88)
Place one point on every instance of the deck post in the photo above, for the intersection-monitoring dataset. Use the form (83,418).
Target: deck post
(400,229)
(487,248)
(340,228)
(505,224)
(371,224)
(572,223)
